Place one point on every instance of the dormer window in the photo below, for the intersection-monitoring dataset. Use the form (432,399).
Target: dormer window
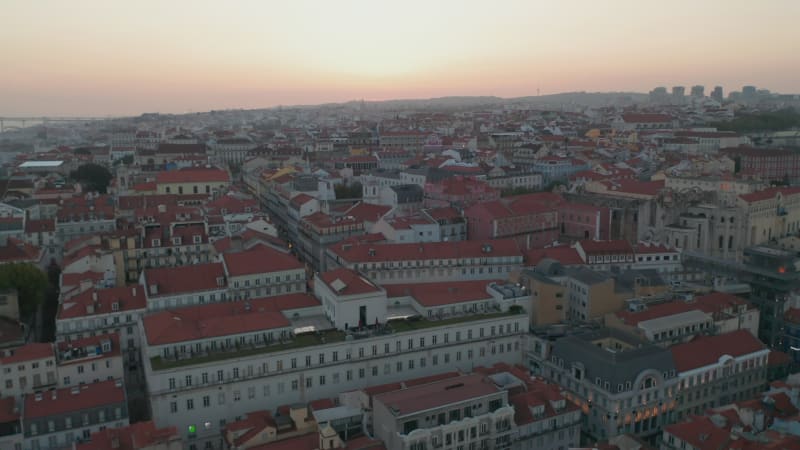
(115,306)
(197,239)
(156,242)
(176,240)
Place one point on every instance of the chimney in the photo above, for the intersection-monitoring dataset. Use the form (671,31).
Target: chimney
(153,289)
(115,441)
(54,395)
(94,296)
(133,291)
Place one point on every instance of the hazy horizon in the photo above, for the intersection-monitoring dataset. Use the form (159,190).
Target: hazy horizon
(93,58)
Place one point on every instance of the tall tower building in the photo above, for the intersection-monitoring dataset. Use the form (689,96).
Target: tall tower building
(716,94)
(678,94)
(658,95)
(698,91)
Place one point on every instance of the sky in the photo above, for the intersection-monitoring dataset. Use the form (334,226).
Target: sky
(112,58)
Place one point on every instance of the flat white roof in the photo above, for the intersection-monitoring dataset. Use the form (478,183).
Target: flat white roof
(674,321)
(30,164)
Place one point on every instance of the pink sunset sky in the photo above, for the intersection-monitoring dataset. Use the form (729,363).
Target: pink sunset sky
(98,58)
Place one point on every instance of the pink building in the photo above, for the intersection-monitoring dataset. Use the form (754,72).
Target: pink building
(532,220)
(580,221)
(458,191)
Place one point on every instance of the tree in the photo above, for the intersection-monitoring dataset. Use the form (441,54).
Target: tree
(93,177)
(29,281)
(348,190)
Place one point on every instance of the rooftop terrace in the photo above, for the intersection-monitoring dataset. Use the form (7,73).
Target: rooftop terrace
(311,339)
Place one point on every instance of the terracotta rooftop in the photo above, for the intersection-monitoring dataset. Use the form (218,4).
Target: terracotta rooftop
(222,319)
(769,193)
(707,350)
(345,281)
(183,279)
(259,259)
(193,175)
(428,396)
(101,301)
(132,437)
(29,352)
(77,398)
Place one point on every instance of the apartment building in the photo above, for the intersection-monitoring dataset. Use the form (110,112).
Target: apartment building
(432,261)
(26,369)
(84,215)
(622,383)
(104,311)
(172,287)
(717,370)
(58,418)
(678,321)
(193,180)
(89,360)
(469,410)
(207,364)
(263,271)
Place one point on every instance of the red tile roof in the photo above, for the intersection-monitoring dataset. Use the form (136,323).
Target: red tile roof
(40,226)
(254,423)
(29,352)
(259,259)
(17,251)
(707,350)
(445,293)
(133,437)
(713,304)
(348,282)
(566,255)
(439,393)
(178,280)
(193,175)
(769,193)
(308,441)
(367,212)
(221,319)
(63,401)
(74,279)
(700,432)
(102,300)
(388,387)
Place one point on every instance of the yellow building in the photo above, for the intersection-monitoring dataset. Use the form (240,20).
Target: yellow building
(194,180)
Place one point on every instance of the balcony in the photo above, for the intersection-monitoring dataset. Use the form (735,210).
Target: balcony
(401,326)
(304,340)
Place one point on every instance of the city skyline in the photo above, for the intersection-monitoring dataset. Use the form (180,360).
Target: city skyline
(89,58)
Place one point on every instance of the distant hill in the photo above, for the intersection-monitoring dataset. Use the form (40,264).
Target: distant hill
(551,100)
